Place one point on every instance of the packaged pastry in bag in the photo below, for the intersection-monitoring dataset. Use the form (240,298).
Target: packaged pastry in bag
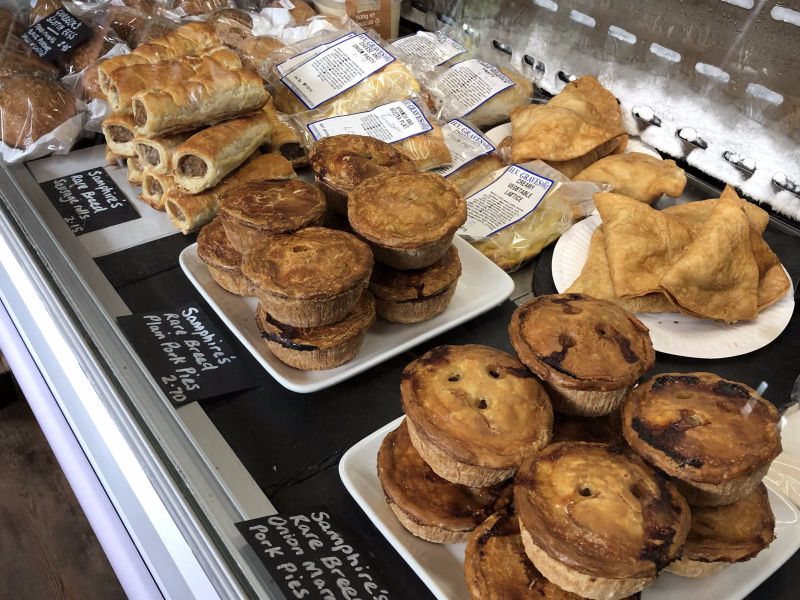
(352,72)
(444,47)
(406,124)
(518,210)
(479,90)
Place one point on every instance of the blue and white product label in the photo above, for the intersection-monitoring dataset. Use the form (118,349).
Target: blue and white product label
(336,70)
(389,123)
(465,145)
(510,198)
(435,48)
(290,64)
(467,85)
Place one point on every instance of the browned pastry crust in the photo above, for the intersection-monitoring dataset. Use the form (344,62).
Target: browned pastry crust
(223,260)
(474,412)
(310,277)
(119,133)
(587,351)
(125,82)
(322,347)
(205,158)
(414,296)
(135,173)
(472,173)
(721,535)
(155,186)
(341,162)
(257,209)
(427,505)
(232,25)
(685,425)
(596,520)
(409,219)
(605,430)
(192,38)
(284,140)
(156,153)
(31,108)
(205,98)
(189,212)
(497,568)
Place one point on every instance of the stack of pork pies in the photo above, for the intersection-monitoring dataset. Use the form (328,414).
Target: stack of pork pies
(627,481)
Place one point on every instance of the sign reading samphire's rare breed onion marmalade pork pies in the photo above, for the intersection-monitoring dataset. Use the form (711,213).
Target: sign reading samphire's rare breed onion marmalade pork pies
(309,555)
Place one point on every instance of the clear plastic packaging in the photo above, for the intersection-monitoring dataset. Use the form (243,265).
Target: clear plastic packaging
(473,156)
(406,124)
(347,72)
(516,211)
(442,48)
(482,91)
(196,8)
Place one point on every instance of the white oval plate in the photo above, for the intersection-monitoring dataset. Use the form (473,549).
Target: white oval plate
(676,333)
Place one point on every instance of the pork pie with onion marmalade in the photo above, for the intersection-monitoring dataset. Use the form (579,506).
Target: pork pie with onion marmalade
(723,535)
(310,277)
(597,520)
(427,505)
(474,413)
(588,352)
(716,437)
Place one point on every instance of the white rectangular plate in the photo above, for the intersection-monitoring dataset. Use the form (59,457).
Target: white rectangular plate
(482,286)
(440,566)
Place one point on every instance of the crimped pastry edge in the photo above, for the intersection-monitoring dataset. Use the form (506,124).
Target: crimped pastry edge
(686,567)
(431,533)
(231,280)
(572,580)
(412,258)
(337,200)
(318,359)
(415,311)
(243,235)
(727,492)
(308,312)
(585,403)
(452,470)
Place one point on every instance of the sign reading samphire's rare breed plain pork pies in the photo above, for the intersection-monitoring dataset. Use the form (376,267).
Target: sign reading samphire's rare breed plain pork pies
(309,555)
(187,354)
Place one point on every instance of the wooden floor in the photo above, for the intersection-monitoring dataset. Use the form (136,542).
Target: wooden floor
(48,549)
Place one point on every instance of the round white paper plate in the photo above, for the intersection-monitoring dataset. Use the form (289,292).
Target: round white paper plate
(676,333)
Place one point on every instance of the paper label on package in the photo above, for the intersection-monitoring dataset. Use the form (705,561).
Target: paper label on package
(336,70)
(287,4)
(290,64)
(465,145)
(467,85)
(435,48)
(372,14)
(389,123)
(510,198)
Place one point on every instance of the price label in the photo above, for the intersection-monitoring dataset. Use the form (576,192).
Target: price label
(389,123)
(89,201)
(298,59)
(510,198)
(187,354)
(465,145)
(336,70)
(433,47)
(310,556)
(467,85)
(56,34)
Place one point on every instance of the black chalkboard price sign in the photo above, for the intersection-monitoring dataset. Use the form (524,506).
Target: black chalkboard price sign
(187,354)
(89,201)
(310,556)
(57,33)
